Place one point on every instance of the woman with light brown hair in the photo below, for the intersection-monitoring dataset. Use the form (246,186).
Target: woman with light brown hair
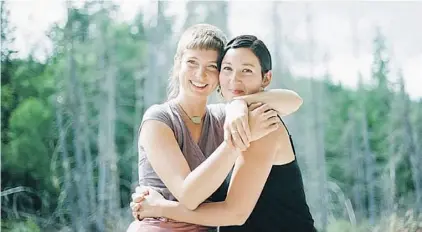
(186,148)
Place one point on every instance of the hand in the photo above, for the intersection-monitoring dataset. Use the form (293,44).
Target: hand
(236,125)
(263,120)
(145,202)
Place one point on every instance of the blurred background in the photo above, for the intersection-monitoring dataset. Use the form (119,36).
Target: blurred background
(76,77)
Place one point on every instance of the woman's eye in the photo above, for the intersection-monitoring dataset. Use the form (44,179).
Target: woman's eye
(213,66)
(191,62)
(247,70)
(227,69)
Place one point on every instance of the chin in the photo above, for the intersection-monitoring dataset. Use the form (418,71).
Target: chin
(200,94)
(228,96)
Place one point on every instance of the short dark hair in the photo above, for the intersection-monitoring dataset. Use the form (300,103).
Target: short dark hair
(257,47)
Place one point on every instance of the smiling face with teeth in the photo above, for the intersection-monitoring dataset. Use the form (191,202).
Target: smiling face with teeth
(198,73)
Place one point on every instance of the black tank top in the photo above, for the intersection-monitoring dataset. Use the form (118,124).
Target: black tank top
(282,205)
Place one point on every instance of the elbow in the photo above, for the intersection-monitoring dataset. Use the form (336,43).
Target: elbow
(188,203)
(240,219)
(191,206)
(239,215)
(298,101)
(187,197)
(295,103)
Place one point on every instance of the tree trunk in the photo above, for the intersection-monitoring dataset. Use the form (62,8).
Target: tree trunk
(411,148)
(139,111)
(317,129)
(68,191)
(369,169)
(358,173)
(82,200)
(103,174)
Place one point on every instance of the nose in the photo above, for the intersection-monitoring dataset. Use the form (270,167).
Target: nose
(200,73)
(234,77)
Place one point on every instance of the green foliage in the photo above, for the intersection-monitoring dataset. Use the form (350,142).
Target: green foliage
(28,225)
(408,221)
(345,226)
(101,46)
(30,125)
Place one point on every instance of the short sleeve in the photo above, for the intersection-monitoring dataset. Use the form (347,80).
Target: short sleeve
(158,112)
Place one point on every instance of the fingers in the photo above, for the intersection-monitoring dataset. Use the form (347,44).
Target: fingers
(236,132)
(135,206)
(138,197)
(273,120)
(245,124)
(273,127)
(253,106)
(227,135)
(237,141)
(137,216)
(271,113)
(242,131)
(229,141)
(142,189)
(263,108)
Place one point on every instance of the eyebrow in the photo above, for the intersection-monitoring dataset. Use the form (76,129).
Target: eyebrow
(247,64)
(244,64)
(194,57)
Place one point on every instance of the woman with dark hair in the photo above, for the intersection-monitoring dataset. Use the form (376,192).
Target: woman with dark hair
(182,151)
(264,191)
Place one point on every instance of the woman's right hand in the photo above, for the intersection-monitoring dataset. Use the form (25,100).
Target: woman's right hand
(236,125)
(262,120)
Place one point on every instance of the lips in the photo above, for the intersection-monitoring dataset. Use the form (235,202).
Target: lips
(237,92)
(198,84)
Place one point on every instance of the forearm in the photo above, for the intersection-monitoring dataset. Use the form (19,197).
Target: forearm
(284,101)
(208,176)
(207,214)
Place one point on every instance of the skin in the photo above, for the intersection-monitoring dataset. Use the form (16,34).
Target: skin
(197,67)
(240,75)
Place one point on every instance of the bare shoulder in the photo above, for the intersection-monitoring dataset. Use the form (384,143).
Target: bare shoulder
(155,130)
(156,119)
(266,146)
(274,137)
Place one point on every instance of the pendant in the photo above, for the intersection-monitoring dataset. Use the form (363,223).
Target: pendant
(196,119)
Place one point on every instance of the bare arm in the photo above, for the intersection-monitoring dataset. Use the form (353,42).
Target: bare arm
(283,101)
(168,162)
(243,192)
(192,187)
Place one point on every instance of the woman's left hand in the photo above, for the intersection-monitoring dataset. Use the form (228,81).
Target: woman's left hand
(236,125)
(145,203)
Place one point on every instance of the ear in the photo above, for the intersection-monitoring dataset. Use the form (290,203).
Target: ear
(267,79)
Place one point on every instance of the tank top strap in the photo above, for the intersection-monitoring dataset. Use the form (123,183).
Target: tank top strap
(290,136)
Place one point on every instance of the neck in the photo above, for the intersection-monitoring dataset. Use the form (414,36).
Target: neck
(194,106)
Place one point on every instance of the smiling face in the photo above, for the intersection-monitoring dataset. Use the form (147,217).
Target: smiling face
(194,70)
(241,73)
(198,74)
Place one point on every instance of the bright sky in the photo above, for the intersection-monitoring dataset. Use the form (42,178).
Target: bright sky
(399,21)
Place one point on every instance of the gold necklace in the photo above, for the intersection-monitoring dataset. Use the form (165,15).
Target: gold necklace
(195,119)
